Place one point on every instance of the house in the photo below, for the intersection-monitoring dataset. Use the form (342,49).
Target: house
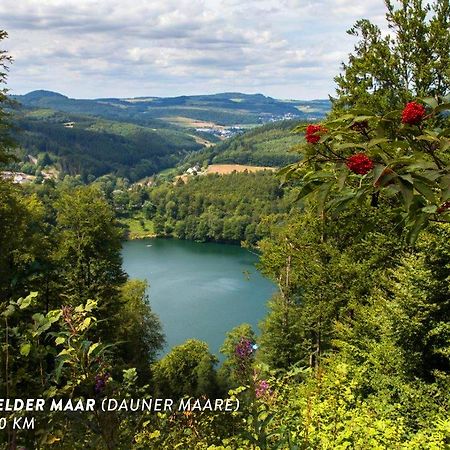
(193,170)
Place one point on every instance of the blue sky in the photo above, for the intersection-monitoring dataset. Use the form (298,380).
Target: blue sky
(130,48)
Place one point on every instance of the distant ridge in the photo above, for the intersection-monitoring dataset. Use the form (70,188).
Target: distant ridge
(138,137)
(41,93)
(224,109)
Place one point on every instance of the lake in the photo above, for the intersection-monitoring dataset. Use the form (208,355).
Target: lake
(199,290)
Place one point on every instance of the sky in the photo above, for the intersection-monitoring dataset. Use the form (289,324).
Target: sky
(289,49)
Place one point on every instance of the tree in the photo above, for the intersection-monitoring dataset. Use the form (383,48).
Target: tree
(282,337)
(400,158)
(188,369)
(385,72)
(6,142)
(89,246)
(419,302)
(138,328)
(21,239)
(44,160)
(228,373)
(5,126)
(323,269)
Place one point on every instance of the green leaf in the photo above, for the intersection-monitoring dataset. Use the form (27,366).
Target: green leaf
(401,145)
(288,169)
(363,117)
(377,141)
(60,340)
(92,348)
(9,311)
(85,324)
(428,177)
(308,188)
(317,175)
(393,115)
(362,112)
(341,119)
(418,224)
(443,107)
(53,316)
(323,194)
(58,369)
(445,144)
(341,202)
(407,178)
(406,189)
(342,177)
(382,176)
(427,138)
(26,302)
(445,195)
(25,349)
(65,352)
(350,145)
(430,101)
(90,305)
(425,190)
(444,133)
(430,209)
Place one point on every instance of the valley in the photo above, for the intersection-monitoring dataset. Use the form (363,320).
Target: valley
(137,138)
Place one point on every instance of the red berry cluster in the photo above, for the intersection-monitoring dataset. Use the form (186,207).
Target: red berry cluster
(313,133)
(413,113)
(359,163)
(444,207)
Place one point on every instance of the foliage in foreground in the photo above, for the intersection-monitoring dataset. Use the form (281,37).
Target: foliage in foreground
(354,353)
(401,156)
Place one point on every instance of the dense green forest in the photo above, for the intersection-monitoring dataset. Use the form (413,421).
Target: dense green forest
(134,140)
(355,350)
(231,208)
(270,145)
(234,208)
(93,147)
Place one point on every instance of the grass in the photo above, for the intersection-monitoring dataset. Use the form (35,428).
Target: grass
(138,227)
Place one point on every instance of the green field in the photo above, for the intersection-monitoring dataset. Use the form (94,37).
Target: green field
(138,227)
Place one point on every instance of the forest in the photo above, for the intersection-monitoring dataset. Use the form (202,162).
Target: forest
(271,145)
(354,352)
(231,208)
(91,142)
(92,147)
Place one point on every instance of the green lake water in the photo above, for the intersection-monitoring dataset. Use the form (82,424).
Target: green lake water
(199,290)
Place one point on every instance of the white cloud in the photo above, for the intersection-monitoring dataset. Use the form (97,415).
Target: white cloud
(87,48)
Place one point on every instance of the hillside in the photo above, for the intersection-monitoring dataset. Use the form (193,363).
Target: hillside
(90,146)
(136,138)
(221,208)
(226,109)
(268,145)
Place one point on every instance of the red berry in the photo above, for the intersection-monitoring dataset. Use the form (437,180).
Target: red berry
(359,163)
(313,133)
(413,113)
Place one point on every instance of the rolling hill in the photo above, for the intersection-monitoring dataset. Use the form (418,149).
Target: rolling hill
(138,137)
(91,146)
(268,145)
(226,109)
